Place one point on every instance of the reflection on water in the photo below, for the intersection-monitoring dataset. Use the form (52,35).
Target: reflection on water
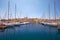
(2,30)
(58,32)
(30,32)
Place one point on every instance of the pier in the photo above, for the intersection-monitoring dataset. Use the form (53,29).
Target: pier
(28,20)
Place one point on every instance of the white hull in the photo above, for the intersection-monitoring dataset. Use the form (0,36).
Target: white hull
(52,24)
(8,24)
(25,23)
(15,23)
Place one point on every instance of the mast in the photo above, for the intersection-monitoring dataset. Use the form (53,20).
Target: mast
(49,10)
(55,9)
(15,11)
(8,9)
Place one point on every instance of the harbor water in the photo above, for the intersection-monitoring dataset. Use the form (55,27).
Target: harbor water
(30,32)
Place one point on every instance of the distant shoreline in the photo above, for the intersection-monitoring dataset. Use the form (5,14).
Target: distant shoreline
(30,20)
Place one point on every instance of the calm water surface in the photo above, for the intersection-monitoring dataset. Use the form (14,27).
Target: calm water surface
(30,32)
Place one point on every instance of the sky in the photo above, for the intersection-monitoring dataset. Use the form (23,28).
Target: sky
(29,8)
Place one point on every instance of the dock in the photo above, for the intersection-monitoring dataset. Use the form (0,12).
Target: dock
(13,24)
(24,21)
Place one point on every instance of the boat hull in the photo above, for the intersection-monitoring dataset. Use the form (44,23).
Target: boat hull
(50,24)
(2,26)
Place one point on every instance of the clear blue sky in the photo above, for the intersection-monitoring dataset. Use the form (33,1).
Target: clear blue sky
(29,8)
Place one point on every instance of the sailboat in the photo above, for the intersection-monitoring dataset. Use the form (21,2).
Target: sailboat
(8,23)
(53,24)
(16,23)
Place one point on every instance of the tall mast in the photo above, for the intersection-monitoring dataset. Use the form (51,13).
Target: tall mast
(8,9)
(55,9)
(15,11)
(49,9)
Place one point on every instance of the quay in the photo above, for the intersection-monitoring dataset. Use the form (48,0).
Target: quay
(6,24)
(24,21)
